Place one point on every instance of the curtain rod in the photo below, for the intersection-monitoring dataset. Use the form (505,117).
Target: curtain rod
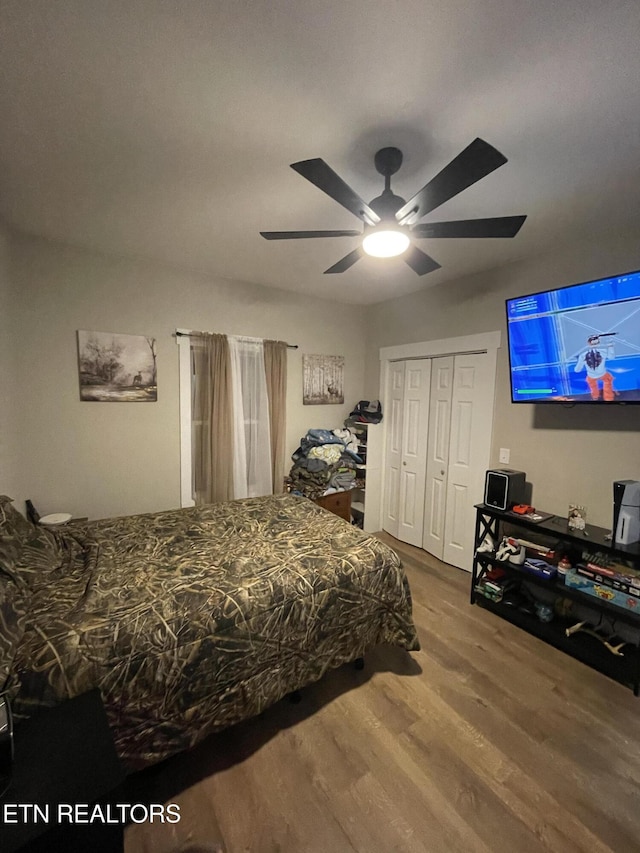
(196,334)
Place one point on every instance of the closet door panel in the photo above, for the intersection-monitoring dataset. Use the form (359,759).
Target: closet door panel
(438,455)
(408,500)
(393,449)
(393,501)
(435,505)
(458,487)
(415,417)
(440,424)
(457,503)
(410,444)
(461,444)
(469,450)
(395,443)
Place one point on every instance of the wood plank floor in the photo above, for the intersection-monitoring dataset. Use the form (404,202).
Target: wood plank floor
(486,740)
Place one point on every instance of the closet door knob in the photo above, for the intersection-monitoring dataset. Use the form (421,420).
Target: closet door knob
(442,472)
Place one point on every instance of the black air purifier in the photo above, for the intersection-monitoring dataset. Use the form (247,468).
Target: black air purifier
(504,487)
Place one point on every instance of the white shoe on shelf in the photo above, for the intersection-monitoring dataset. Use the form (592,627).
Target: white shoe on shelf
(511,551)
(487,546)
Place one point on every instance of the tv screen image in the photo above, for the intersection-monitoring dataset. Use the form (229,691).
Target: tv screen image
(577,344)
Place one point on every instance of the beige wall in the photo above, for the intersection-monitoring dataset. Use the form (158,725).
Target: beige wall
(101,459)
(568,454)
(9,463)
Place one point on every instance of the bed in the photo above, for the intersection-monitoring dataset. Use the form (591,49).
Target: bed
(190,620)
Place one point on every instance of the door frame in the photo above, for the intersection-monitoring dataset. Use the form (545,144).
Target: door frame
(485,342)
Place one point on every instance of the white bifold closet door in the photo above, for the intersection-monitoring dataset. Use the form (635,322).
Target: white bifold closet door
(438,455)
(407,403)
(458,452)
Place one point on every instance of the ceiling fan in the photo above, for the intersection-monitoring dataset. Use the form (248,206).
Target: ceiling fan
(390,222)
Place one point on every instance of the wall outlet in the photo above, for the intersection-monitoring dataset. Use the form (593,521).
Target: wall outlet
(505,455)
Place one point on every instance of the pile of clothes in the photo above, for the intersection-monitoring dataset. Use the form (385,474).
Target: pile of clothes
(325,462)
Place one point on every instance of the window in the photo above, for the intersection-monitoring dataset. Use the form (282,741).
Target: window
(256,373)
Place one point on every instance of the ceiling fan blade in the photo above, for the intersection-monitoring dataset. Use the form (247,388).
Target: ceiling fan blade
(301,235)
(346,262)
(476,161)
(323,177)
(499,226)
(419,261)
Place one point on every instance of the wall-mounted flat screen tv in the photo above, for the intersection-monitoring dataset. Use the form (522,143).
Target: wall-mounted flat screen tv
(577,344)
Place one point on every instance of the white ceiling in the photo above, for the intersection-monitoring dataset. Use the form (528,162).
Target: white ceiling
(165,130)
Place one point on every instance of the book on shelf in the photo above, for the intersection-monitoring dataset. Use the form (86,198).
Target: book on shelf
(629,584)
(534,516)
(608,565)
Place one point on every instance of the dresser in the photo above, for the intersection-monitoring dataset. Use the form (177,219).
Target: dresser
(338,503)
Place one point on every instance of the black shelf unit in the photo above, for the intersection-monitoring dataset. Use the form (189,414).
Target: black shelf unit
(625,668)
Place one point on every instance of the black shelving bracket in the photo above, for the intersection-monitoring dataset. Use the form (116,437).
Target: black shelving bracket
(486,525)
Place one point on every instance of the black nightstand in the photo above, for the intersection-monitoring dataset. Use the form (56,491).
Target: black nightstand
(62,755)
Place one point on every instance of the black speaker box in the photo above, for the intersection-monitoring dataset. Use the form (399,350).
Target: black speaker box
(504,487)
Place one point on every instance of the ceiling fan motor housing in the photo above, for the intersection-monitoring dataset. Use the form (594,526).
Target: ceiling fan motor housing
(385,205)
(388,161)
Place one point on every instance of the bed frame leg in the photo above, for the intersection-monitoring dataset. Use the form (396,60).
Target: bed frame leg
(294,697)
(359,663)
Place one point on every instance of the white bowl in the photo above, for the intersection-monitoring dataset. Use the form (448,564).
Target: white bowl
(56,518)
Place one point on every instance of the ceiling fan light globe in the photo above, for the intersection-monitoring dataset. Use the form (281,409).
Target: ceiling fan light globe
(385,242)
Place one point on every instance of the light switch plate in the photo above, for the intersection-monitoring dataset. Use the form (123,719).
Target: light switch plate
(505,455)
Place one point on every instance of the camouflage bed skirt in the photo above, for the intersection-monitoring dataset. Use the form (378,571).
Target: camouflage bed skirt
(191,620)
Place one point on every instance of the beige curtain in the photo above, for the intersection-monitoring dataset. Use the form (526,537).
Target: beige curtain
(275,365)
(213,419)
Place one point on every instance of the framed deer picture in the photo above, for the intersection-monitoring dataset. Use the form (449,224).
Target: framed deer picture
(322,379)
(116,368)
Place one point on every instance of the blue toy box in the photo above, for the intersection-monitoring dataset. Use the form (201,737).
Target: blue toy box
(630,601)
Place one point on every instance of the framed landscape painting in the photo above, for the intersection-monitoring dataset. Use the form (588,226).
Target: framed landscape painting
(322,379)
(116,368)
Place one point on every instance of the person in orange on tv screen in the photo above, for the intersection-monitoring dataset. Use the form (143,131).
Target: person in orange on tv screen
(594,361)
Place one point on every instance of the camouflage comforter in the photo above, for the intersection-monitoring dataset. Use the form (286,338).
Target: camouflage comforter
(191,620)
